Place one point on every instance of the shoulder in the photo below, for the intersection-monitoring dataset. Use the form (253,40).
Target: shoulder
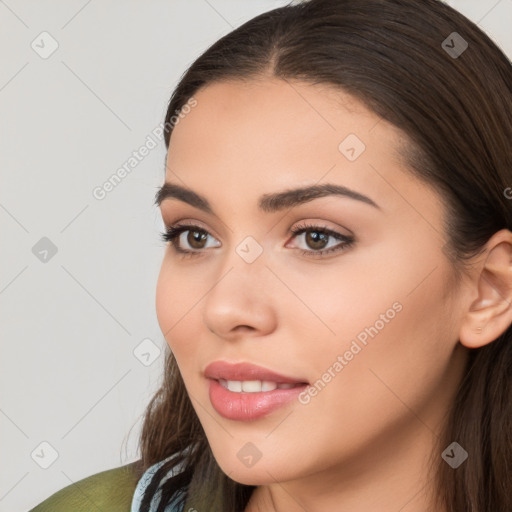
(108,491)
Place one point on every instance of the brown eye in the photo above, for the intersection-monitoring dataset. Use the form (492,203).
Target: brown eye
(188,239)
(316,239)
(196,239)
(320,240)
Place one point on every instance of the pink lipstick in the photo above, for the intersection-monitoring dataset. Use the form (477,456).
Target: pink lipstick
(246,392)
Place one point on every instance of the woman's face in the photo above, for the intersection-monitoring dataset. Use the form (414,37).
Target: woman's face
(368,332)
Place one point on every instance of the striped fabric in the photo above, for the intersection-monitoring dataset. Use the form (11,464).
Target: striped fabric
(144,481)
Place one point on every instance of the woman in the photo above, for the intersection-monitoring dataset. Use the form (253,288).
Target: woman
(337,287)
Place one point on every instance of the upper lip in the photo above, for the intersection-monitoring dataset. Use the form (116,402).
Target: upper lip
(246,371)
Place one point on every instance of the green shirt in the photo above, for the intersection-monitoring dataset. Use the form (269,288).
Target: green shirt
(113,491)
(107,491)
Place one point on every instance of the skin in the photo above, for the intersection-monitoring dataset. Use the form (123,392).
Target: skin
(363,442)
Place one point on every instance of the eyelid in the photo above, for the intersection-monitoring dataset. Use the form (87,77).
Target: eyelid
(344,242)
(296,227)
(190,222)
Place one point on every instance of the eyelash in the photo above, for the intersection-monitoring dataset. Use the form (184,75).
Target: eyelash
(173,232)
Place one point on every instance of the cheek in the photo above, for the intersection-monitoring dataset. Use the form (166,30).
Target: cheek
(333,306)
(375,288)
(165,301)
(177,306)
(387,317)
(395,347)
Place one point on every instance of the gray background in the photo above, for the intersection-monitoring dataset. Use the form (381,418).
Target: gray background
(71,320)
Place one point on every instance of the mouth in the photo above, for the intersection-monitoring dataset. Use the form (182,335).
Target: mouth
(246,392)
(248,374)
(256,386)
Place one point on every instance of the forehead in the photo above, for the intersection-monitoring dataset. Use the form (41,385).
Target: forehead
(261,135)
(283,107)
(278,120)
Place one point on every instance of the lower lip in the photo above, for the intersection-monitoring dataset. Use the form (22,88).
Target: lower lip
(249,406)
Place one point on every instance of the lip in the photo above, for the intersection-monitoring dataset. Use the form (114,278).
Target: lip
(248,406)
(246,371)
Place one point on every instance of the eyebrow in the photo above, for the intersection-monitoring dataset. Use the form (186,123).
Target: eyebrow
(267,202)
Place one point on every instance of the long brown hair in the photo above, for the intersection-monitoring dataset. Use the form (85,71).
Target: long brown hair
(456,110)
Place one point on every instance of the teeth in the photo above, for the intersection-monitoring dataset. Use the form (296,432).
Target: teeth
(268,386)
(253,386)
(235,385)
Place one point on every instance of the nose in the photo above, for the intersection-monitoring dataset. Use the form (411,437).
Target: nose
(242,301)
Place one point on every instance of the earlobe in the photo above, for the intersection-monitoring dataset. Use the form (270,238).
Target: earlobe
(490,314)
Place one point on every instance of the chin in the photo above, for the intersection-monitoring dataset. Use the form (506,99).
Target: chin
(253,476)
(261,472)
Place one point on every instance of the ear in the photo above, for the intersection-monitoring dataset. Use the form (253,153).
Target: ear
(490,314)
